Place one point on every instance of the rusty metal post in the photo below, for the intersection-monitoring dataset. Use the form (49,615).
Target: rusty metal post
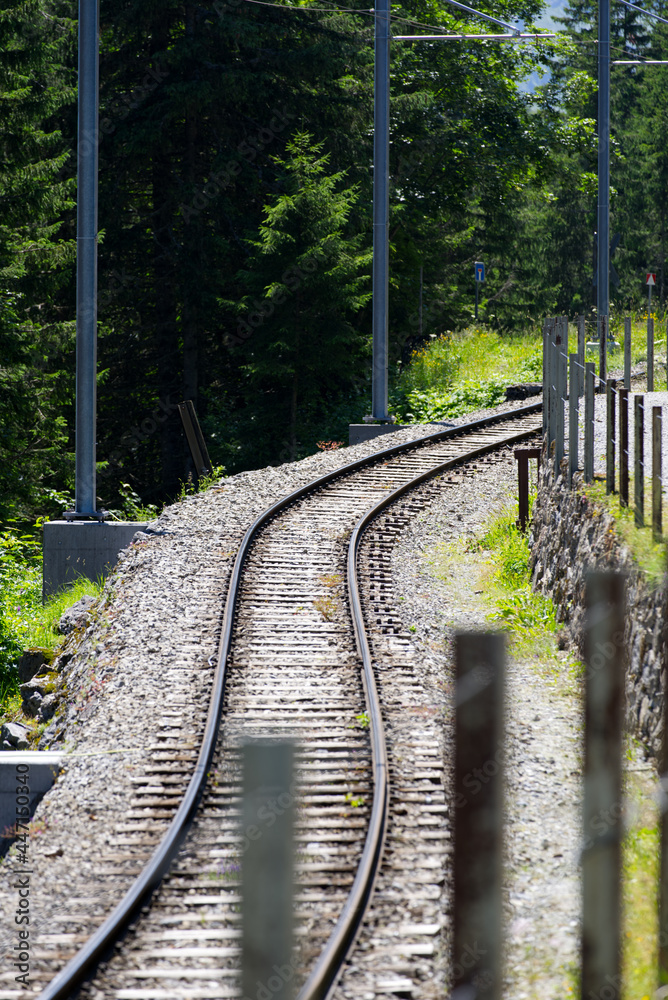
(522,456)
(610,436)
(267,870)
(623,447)
(573,387)
(627,352)
(650,354)
(656,473)
(601,850)
(589,422)
(639,462)
(478,818)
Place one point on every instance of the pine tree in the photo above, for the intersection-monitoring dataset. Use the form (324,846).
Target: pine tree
(307,278)
(35,255)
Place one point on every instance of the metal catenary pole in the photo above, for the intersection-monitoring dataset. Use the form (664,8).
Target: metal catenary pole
(603,276)
(381,209)
(381,184)
(86,319)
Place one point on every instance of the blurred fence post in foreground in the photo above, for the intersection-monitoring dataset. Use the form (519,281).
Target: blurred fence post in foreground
(623,447)
(267,870)
(639,459)
(657,424)
(601,850)
(478,820)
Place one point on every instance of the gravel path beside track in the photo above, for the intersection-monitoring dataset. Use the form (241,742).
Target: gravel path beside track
(542,729)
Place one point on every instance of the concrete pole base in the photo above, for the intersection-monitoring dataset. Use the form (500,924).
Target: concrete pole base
(82,548)
(37,772)
(365,432)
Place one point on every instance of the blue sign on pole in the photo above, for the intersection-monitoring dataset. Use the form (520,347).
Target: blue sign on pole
(479,271)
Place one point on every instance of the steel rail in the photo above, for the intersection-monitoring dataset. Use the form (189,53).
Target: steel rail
(325,974)
(83,964)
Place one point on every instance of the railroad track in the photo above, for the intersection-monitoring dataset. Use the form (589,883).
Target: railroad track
(298,624)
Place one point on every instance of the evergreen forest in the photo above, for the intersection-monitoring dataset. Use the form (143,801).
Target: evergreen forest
(236,148)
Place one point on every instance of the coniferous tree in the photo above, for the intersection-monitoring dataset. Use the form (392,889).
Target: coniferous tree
(35,256)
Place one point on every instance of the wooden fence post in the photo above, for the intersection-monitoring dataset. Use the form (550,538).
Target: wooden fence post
(573,387)
(546,379)
(589,422)
(623,447)
(610,436)
(551,383)
(656,473)
(267,871)
(663,855)
(650,354)
(603,347)
(601,850)
(581,354)
(561,346)
(639,463)
(478,817)
(627,352)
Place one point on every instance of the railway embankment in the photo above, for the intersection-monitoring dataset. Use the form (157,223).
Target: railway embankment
(573,533)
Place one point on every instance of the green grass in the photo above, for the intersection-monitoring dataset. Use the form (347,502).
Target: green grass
(650,556)
(526,615)
(640,853)
(459,372)
(25,622)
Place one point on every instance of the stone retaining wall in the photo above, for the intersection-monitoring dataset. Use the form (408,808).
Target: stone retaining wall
(571,534)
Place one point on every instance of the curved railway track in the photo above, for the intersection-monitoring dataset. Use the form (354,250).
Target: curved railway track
(295,631)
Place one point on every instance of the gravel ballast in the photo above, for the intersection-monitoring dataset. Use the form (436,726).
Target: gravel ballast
(146,660)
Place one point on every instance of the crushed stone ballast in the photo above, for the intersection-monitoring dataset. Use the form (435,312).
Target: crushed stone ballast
(162,605)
